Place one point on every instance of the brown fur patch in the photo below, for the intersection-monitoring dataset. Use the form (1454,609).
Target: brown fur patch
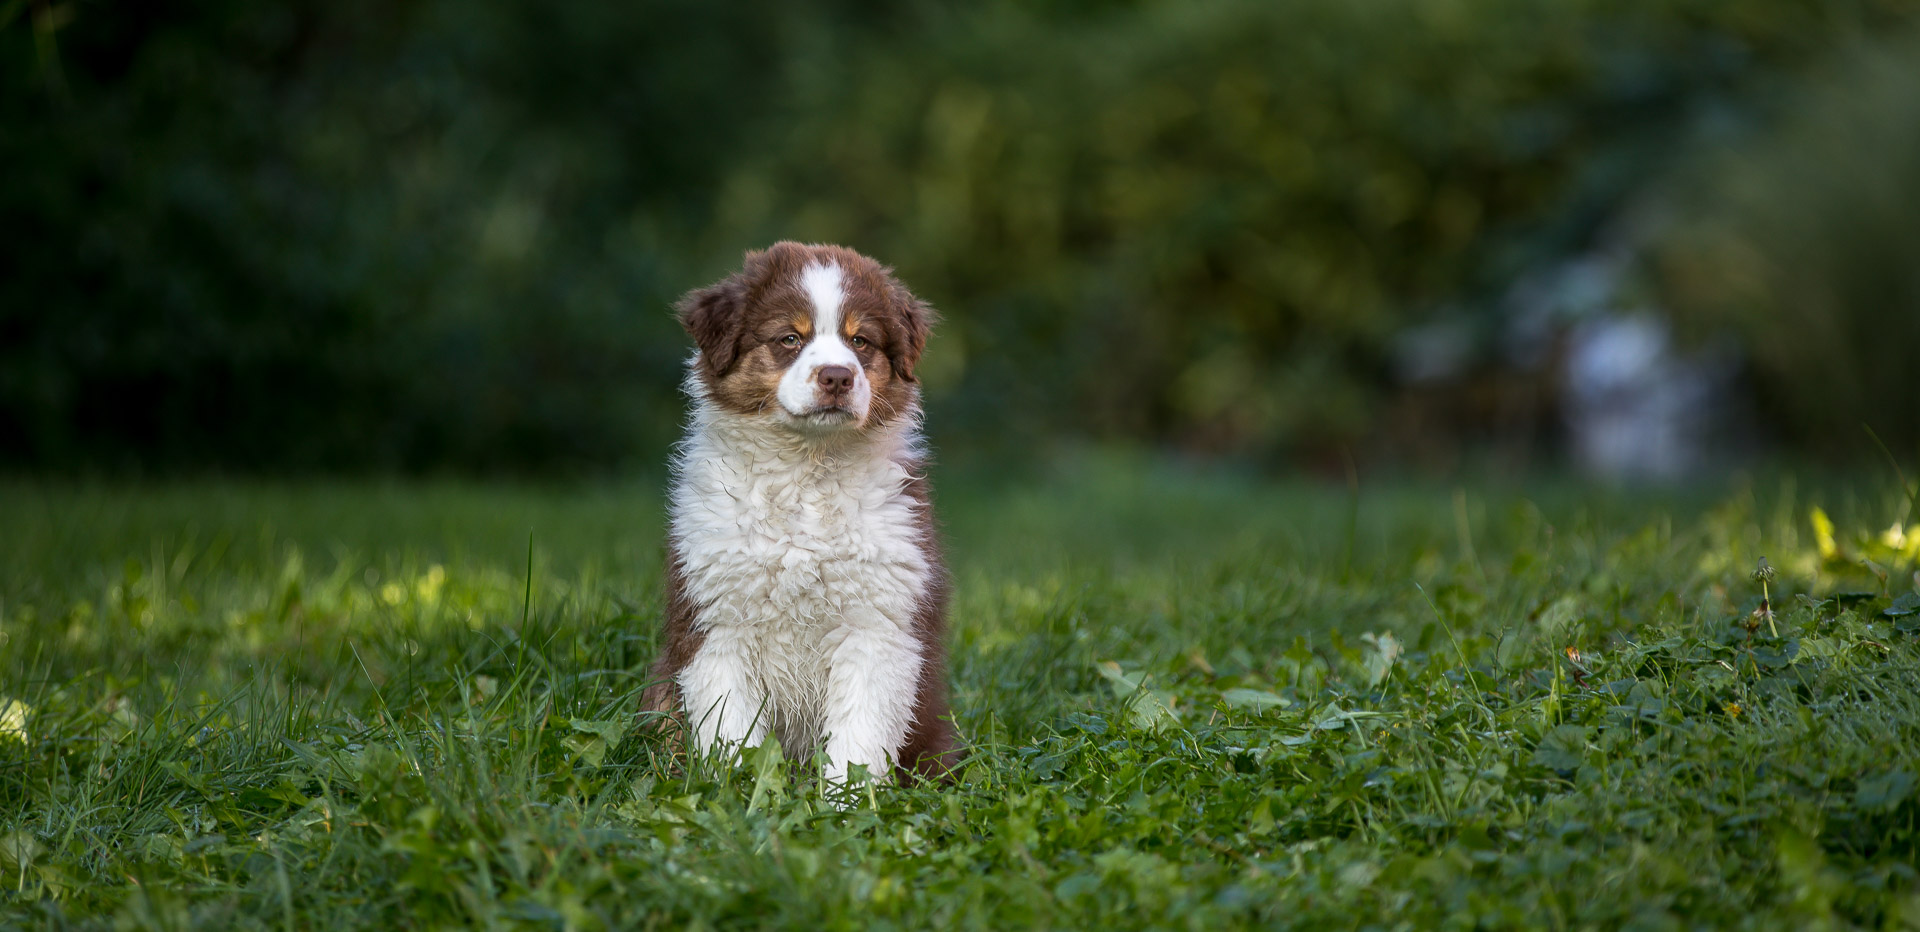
(680,640)
(932,750)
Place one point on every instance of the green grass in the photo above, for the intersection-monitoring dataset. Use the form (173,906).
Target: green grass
(1194,701)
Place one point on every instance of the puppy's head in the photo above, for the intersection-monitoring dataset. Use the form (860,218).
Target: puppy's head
(817,339)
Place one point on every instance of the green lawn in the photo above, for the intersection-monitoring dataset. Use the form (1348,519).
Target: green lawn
(1194,701)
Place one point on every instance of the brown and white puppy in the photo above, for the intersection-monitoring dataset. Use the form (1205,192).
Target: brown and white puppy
(805,596)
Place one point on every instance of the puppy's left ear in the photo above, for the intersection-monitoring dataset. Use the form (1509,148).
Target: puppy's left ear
(909,328)
(713,316)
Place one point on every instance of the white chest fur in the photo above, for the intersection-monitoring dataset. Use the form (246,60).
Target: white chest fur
(807,563)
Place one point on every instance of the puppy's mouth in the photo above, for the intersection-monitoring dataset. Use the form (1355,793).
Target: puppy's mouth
(831,414)
(825,417)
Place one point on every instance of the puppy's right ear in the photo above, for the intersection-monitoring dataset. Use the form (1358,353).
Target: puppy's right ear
(713,316)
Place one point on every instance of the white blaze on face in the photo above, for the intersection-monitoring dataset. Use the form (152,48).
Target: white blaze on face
(799,392)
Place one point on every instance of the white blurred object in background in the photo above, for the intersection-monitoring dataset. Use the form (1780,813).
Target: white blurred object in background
(1635,407)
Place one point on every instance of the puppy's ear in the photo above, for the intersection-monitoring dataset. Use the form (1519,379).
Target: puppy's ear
(714,316)
(908,328)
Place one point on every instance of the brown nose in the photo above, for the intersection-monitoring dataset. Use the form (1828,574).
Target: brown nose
(834,380)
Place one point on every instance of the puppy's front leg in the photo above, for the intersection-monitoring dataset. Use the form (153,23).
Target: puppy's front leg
(724,699)
(871,682)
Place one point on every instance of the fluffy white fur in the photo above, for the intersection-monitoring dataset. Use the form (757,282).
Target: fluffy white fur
(803,551)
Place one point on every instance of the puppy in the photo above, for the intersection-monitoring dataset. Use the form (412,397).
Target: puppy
(805,595)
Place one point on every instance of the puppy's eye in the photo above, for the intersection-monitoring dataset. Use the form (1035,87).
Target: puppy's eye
(791,339)
(858,342)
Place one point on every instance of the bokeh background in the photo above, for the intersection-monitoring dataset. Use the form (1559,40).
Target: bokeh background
(1641,238)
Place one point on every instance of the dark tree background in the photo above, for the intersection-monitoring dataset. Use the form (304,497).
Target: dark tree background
(436,236)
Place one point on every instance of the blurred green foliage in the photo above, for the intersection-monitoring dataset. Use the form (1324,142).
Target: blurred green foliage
(1205,221)
(441,236)
(1802,242)
(418,235)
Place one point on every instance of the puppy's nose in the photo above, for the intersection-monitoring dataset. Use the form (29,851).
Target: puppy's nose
(834,380)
